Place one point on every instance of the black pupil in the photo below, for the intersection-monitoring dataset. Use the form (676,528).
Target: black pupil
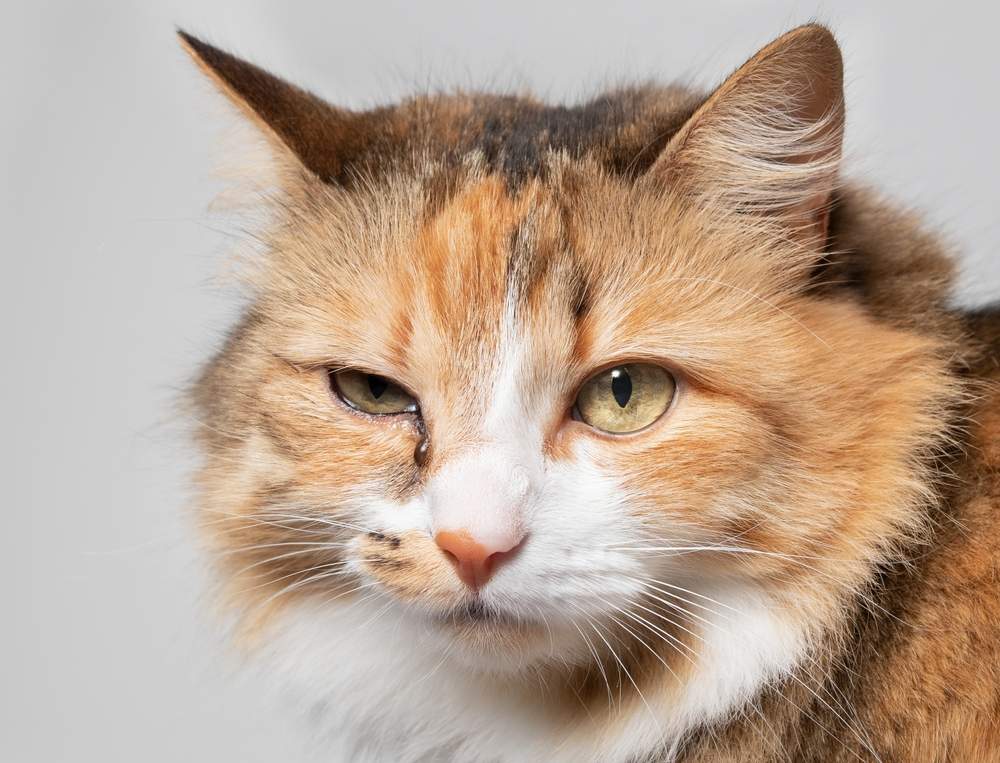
(377,385)
(621,386)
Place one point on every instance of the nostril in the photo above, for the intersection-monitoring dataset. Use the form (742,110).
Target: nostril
(473,562)
(499,558)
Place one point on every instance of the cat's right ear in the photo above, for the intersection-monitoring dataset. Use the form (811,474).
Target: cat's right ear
(299,125)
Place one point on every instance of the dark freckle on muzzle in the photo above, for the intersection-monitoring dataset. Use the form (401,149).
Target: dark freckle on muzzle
(392,540)
(384,563)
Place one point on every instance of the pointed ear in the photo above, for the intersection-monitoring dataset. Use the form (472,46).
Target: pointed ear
(321,138)
(768,140)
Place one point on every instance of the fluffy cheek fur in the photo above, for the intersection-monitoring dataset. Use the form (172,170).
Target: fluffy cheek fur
(770,478)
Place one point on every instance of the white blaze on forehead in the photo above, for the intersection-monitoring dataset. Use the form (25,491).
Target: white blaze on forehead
(489,488)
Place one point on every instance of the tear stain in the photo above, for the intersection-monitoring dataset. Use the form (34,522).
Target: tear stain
(422,451)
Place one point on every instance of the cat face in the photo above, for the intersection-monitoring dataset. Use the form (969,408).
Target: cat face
(488,328)
(544,416)
(479,325)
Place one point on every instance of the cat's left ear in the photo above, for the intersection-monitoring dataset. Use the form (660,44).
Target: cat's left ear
(768,140)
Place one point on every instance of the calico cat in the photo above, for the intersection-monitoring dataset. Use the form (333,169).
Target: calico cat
(616,432)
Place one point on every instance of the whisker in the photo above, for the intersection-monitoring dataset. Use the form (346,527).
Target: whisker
(304,546)
(597,661)
(628,675)
(297,573)
(655,629)
(314,519)
(302,583)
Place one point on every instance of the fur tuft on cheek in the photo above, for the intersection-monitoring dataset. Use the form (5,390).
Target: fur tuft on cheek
(803,474)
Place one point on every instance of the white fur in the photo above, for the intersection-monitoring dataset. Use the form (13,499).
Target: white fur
(491,490)
(383,689)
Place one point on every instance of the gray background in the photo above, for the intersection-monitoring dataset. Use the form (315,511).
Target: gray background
(114,289)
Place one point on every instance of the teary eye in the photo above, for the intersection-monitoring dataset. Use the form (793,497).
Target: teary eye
(371,393)
(625,398)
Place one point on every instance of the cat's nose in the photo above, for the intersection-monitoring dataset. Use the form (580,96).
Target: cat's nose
(475,559)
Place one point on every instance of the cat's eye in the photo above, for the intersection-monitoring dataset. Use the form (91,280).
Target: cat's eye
(371,393)
(625,398)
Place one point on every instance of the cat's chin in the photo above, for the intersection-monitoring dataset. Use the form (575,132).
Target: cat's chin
(485,638)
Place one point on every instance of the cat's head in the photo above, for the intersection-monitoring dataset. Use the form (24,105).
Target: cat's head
(549,381)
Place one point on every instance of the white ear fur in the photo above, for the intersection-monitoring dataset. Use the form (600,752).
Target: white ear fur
(769,139)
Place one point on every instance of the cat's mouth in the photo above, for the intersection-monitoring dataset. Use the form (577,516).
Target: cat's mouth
(483,636)
(475,613)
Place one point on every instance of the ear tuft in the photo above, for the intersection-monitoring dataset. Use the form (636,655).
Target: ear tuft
(769,139)
(322,138)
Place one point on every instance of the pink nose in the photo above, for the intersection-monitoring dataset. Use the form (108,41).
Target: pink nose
(474,561)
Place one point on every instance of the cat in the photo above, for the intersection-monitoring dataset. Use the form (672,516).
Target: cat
(626,431)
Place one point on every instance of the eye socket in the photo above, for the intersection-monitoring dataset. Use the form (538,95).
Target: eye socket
(625,398)
(371,393)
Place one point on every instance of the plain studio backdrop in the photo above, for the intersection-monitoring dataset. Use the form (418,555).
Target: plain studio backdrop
(115,288)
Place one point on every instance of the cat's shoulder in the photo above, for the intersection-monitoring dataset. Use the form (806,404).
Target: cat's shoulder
(983,455)
(940,674)
(984,328)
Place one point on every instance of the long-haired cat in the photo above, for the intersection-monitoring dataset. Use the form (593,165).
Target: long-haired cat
(617,432)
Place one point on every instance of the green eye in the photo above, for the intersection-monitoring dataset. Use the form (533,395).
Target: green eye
(371,393)
(625,398)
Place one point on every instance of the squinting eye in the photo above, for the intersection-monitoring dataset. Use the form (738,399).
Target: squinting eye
(625,398)
(371,393)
